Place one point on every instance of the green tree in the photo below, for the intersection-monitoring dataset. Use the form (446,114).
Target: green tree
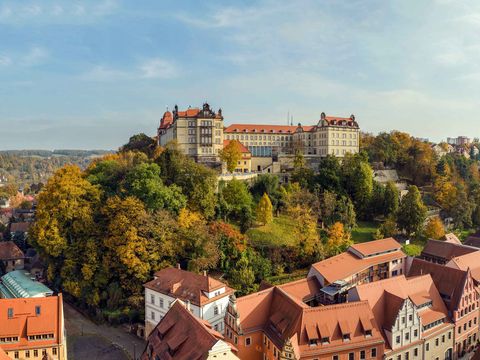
(142,143)
(301,173)
(264,210)
(231,155)
(392,198)
(412,212)
(329,174)
(242,276)
(236,198)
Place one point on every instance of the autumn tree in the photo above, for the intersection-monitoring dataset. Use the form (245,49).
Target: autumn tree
(338,240)
(434,229)
(231,154)
(308,241)
(264,210)
(412,212)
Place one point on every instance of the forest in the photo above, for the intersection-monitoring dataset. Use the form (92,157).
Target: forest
(105,229)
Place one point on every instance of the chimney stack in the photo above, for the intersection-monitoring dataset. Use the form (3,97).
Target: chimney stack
(187,305)
(204,272)
(178,266)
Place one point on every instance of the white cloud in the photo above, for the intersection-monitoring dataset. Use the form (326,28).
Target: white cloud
(35,56)
(158,68)
(155,68)
(5,60)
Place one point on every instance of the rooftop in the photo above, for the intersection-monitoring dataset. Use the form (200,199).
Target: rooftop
(187,286)
(21,284)
(10,251)
(445,250)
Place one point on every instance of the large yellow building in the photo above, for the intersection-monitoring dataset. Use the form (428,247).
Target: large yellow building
(200,134)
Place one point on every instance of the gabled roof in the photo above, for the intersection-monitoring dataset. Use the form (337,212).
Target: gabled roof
(470,262)
(10,251)
(261,129)
(187,286)
(302,290)
(243,149)
(346,264)
(26,322)
(449,281)
(452,238)
(383,297)
(370,248)
(181,336)
(20,227)
(445,250)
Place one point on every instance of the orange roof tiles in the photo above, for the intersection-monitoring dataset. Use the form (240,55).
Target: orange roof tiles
(346,264)
(10,251)
(181,336)
(186,285)
(25,321)
(302,290)
(3,356)
(277,129)
(243,149)
(370,248)
(452,238)
(445,250)
(469,261)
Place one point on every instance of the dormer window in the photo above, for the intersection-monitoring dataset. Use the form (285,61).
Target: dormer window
(325,340)
(368,333)
(346,337)
(313,342)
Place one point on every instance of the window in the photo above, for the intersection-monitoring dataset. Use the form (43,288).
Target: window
(152,315)
(351,356)
(16,354)
(27,353)
(397,340)
(403,319)
(44,352)
(415,333)
(10,313)
(335,357)
(407,355)
(152,299)
(161,303)
(415,352)
(427,347)
(373,352)
(407,336)
(410,317)
(215,310)
(54,351)
(436,342)
(362,354)
(248,341)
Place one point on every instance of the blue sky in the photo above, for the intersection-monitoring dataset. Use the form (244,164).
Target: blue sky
(88,74)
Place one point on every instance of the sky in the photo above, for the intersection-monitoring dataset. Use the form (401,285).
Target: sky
(89,74)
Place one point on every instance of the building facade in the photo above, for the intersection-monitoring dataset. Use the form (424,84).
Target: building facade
(197,132)
(33,328)
(206,297)
(11,257)
(181,335)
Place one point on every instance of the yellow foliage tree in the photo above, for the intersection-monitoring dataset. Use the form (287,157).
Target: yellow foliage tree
(265,210)
(187,218)
(231,154)
(445,193)
(338,239)
(434,228)
(308,240)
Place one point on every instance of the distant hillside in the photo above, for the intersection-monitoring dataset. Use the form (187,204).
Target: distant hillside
(25,167)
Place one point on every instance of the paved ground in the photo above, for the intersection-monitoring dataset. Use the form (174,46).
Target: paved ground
(86,340)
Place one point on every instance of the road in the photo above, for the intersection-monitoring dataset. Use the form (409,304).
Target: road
(87,340)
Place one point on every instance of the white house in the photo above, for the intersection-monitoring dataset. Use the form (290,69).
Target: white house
(206,297)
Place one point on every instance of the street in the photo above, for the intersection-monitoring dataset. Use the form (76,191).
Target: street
(87,340)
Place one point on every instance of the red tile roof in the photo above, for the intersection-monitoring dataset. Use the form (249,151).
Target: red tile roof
(25,322)
(3,356)
(10,251)
(445,250)
(22,227)
(452,238)
(346,264)
(186,285)
(470,262)
(247,128)
(243,148)
(181,336)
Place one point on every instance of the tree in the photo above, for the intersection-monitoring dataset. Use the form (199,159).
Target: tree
(329,174)
(338,240)
(301,173)
(144,182)
(242,276)
(387,229)
(391,198)
(264,210)
(231,154)
(434,229)
(308,241)
(412,212)
(236,199)
(140,142)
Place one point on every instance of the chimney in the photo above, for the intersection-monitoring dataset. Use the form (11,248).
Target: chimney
(204,272)
(178,266)
(187,305)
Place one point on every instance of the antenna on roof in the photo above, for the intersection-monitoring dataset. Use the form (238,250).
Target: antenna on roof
(167,107)
(288,116)
(291,121)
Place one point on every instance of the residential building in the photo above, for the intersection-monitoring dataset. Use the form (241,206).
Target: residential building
(459,293)
(277,324)
(4,203)
(197,132)
(206,296)
(441,252)
(473,240)
(181,335)
(331,135)
(442,149)
(33,328)
(11,256)
(22,284)
(459,140)
(361,263)
(468,262)
(244,165)
(412,316)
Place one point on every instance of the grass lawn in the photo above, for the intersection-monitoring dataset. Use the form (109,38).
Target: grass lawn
(364,231)
(277,233)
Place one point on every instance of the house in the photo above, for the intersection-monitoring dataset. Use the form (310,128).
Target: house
(244,165)
(33,328)
(11,256)
(361,263)
(207,297)
(181,335)
(441,252)
(459,293)
(470,261)
(22,284)
(276,324)
(4,203)
(473,240)
(452,238)
(411,315)
(442,149)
